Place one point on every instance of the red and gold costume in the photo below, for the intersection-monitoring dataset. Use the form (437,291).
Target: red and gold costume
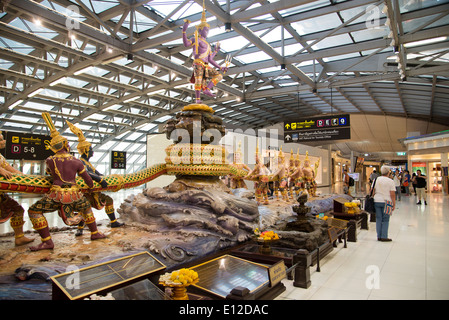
(64,194)
(10,208)
(97,200)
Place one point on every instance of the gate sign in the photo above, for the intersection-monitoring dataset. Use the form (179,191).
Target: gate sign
(26,146)
(331,127)
(118,160)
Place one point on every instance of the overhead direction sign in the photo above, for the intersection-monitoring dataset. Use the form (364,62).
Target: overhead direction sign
(331,127)
(26,146)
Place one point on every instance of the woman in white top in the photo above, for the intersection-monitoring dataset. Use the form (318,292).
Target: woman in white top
(384,190)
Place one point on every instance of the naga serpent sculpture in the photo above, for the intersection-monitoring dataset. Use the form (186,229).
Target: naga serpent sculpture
(40,184)
(191,159)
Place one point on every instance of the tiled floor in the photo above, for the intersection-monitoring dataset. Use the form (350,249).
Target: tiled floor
(414,266)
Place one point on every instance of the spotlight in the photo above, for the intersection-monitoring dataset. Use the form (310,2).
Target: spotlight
(396,49)
(130,56)
(283,66)
(227,26)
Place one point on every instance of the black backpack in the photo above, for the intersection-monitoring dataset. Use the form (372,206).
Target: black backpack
(351,181)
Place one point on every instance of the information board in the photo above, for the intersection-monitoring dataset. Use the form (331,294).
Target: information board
(331,127)
(26,146)
(118,160)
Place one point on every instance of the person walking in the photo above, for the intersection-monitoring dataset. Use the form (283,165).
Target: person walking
(414,182)
(421,183)
(384,203)
(397,185)
(406,182)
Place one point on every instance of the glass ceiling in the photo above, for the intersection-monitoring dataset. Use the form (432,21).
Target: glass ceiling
(138,69)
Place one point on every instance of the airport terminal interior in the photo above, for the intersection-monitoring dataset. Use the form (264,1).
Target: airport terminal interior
(224,150)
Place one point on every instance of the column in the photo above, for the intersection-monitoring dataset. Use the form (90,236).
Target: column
(444,173)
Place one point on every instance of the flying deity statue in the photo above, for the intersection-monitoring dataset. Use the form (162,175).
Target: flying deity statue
(64,194)
(97,200)
(260,176)
(10,208)
(280,177)
(204,76)
(237,181)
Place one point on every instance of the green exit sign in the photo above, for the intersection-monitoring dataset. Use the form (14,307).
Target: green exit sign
(401,153)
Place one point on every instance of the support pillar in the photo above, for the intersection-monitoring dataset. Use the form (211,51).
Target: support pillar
(302,270)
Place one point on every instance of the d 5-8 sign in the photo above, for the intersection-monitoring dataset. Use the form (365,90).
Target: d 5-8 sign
(26,146)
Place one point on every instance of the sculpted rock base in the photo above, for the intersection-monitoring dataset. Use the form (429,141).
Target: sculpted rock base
(191,218)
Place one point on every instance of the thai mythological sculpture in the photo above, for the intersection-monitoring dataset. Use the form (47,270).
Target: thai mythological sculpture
(98,200)
(64,194)
(309,175)
(261,176)
(10,208)
(291,171)
(237,181)
(280,177)
(296,176)
(204,76)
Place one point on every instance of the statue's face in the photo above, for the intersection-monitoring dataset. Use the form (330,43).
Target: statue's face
(204,32)
(90,153)
(306,163)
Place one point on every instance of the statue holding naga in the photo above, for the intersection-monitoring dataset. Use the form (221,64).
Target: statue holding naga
(64,194)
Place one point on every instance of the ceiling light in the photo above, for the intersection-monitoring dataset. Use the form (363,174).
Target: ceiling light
(15,104)
(424,42)
(228,27)
(131,99)
(396,49)
(35,92)
(57,81)
(83,70)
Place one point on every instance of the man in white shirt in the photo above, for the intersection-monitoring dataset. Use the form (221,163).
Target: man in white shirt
(384,194)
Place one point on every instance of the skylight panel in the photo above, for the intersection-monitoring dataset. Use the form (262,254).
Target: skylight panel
(333,41)
(304,7)
(320,23)
(254,57)
(233,44)
(99,6)
(370,34)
